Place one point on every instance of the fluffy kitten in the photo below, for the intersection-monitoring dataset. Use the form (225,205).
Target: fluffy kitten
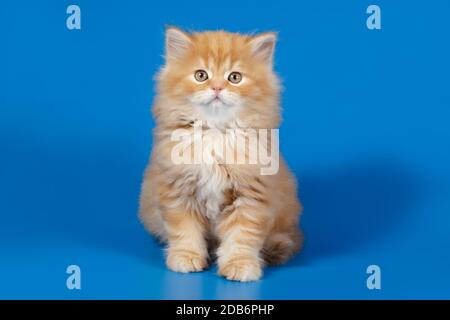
(245,219)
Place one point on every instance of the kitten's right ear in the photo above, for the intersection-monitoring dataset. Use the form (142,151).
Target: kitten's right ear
(177,43)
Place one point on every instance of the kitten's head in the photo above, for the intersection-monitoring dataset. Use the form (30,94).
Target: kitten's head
(221,77)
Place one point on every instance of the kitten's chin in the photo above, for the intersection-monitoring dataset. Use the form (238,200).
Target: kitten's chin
(217,112)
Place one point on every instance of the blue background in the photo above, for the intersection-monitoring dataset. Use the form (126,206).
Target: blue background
(366,130)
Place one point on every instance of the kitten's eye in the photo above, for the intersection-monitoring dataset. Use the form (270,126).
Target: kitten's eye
(235,77)
(201,75)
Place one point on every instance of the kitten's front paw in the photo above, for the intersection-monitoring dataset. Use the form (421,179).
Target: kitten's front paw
(186,261)
(241,270)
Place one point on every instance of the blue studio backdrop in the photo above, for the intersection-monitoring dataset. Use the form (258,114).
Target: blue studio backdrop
(366,131)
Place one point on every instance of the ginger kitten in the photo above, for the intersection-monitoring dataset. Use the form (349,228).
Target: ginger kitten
(217,83)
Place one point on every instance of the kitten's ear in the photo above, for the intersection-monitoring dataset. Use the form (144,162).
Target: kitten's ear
(177,43)
(263,46)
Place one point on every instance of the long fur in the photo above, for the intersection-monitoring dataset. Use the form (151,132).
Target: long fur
(229,211)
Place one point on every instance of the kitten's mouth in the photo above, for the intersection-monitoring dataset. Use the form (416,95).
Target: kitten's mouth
(217,99)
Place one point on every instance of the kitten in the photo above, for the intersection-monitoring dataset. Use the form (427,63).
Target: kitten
(216,82)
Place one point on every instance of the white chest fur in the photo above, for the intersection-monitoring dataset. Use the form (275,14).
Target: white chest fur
(211,179)
(211,185)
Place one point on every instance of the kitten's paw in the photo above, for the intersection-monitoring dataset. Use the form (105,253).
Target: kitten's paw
(186,261)
(241,270)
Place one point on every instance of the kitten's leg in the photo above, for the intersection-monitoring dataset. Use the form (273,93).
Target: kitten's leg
(187,247)
(149,209)
(242,233)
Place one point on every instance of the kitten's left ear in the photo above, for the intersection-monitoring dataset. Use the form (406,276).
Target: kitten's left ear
(263,46)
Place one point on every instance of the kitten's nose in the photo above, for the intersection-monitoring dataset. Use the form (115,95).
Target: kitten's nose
(217,89)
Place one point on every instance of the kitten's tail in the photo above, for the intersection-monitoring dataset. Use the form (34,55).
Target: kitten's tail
(279,247)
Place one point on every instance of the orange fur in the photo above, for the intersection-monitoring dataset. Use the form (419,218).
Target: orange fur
(248,219)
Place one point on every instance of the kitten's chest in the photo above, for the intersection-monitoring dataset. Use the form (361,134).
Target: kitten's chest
(211,185)
(212,180)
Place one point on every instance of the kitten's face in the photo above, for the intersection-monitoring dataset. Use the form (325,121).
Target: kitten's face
(219,75)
